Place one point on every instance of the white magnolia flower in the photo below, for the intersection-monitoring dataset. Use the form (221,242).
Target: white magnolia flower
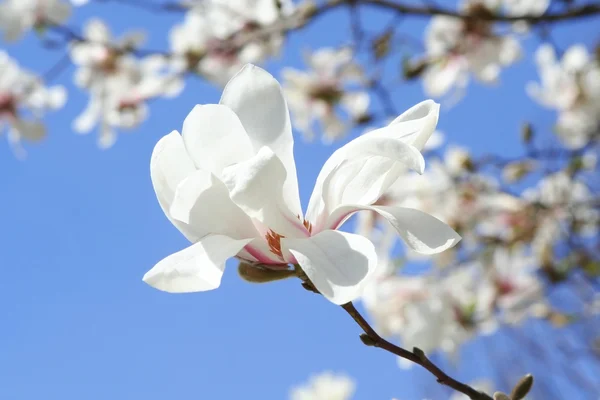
(23,101)
(317,94)
(119,84)
(206,42)
(572,87)
(457,48)
(19,16)
(231,189)
(325,386)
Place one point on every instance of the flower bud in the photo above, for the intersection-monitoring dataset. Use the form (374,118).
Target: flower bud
(258,274)
(522,388)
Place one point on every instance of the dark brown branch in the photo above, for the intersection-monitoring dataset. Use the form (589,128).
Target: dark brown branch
(149,5)
(586,10)
(309,12)
(372,338)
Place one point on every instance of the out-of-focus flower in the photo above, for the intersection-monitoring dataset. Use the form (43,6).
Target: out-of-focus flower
(572,87)
(19,16)
(561,201)
(100,56)
(119,84)
(319,93)
(212,40)
(243,201)
(517,170)
(457,160)
(325,386)
(518,290)
(458,48)
(23,101)
(519,8)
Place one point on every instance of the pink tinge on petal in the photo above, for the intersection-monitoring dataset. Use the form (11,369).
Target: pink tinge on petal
(339,221)
(304,227)
(260,256)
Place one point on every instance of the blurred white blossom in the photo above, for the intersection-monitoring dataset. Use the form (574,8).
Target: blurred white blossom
(23,101)
(119,84)
(318,94)
(458,48)
(561,201)
(19,16)
(209,39)
(325,386)
(572,87)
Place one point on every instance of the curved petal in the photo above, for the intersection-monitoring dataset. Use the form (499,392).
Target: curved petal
(197,268)
(422,232)
(202,201)
(339,264)
(257,99)
(415,126)
(170,164)
(256,186)
(215,138)
(359,173)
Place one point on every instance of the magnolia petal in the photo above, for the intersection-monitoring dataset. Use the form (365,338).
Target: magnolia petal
(360,172)
(415,126)
(257,99)
(197,268)
(422,232)
(215,138)
(256,187)
(202,201)
(339,264)
(170,164)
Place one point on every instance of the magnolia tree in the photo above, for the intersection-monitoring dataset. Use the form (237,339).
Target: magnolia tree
(528,223)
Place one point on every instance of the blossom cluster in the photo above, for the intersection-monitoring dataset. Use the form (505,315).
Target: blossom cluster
(513,248)
(214,40)
(24,100)
(119,83)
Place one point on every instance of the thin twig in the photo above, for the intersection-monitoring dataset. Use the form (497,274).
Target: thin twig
(583,11)
(372,338)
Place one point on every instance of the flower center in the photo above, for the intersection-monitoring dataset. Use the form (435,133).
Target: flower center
(327,92)
(274,241)
(108,62)
(7,105)
(504,287)
(307,225)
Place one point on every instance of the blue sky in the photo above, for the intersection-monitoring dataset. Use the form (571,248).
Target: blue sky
(81,226)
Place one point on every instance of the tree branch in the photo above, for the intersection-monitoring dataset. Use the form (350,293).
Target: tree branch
(586,10)
(372,338)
